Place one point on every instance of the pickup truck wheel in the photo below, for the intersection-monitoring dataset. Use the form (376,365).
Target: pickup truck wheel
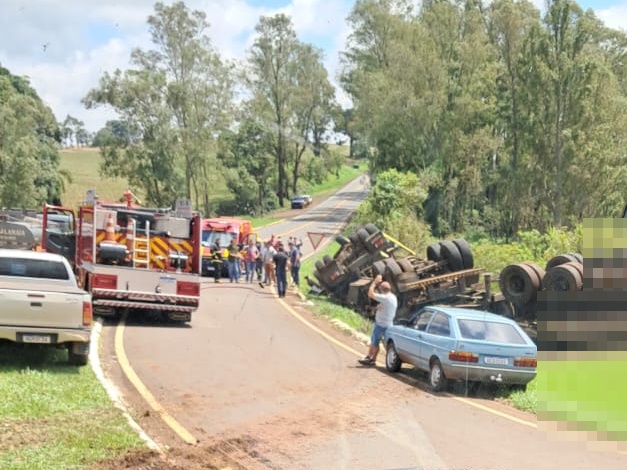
(437,379)
(392,361)
(77,356)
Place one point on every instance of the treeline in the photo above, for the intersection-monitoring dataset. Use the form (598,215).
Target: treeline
(509,119)
(189,117)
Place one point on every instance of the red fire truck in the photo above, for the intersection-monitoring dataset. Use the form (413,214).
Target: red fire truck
(128,256)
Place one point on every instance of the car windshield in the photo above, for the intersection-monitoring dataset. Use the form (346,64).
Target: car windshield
(209,238)
(495,332)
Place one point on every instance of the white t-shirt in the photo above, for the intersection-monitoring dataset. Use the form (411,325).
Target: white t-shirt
(386,310)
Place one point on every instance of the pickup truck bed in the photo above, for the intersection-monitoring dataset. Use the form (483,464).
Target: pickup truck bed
(40,303)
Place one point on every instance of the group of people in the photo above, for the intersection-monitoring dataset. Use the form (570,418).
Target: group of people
(266,262)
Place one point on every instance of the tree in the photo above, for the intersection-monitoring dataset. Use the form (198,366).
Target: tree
(176,100)
(290,89)
(29,136)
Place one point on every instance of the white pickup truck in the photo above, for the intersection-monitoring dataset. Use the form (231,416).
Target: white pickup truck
(41,303)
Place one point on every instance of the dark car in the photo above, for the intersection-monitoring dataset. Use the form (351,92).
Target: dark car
(299,202)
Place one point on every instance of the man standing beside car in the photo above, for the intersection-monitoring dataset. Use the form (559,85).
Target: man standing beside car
(384,318)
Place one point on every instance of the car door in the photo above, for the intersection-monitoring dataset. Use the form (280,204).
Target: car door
(436,340)
(413,336)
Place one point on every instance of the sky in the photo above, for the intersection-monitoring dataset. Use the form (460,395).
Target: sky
(64,46)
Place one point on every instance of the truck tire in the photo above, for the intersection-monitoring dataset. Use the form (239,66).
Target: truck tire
(319,264)
(578,257)
(363,235)
(378,267)
(519,283)
(326,259)
(371,228)
(405,265)
(78,354)
(434,253)
(557,260)
(342,240)
(451,254)
(540,273)
(563,278)
(354,239)
(464,250)
(393,267)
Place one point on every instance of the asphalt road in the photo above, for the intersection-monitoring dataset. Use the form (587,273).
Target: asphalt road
(283,387)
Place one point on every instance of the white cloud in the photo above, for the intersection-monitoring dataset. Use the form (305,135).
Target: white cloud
(614,17)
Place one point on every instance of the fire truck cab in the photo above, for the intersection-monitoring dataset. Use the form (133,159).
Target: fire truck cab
(222,230)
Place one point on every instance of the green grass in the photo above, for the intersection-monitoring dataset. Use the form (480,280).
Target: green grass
(84,167)
(589,395)
(55,416)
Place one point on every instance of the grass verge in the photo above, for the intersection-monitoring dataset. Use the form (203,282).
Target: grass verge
(55,416)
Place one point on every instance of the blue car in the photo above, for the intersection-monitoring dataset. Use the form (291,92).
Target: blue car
(457,344)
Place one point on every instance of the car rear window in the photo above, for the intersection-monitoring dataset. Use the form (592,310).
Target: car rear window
(43,269)
(489,331)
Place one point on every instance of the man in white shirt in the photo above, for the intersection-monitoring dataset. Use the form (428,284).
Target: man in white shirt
(384,318)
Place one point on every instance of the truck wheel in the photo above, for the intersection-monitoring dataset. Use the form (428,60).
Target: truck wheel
(342,240)
(405,265)
(363,234)
(563,278)
(437,379)
(540,273)
(434,253)
(451,254)
(327,259)
(518,283)
(578,257)
(78,354)
(319,265)
(392,361)
(371,228)
(557,260)
(354,239)
(378,267)
(393,267)
(464,250)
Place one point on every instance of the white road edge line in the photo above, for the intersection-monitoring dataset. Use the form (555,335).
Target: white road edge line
(112,390)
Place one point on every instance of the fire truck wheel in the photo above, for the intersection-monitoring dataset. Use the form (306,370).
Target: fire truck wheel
(518,283)
(464,249)
(434,252)
(559,259)
(451,254)
(371,228)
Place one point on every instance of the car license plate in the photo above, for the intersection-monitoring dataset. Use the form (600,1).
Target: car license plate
(41,339)
(499,361)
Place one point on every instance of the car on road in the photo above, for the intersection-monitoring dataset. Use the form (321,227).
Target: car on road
(457,344)
(300,202)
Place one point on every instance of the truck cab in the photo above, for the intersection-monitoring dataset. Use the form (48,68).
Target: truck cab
(223,230)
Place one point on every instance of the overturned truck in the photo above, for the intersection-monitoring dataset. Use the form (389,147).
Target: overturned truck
(446,276)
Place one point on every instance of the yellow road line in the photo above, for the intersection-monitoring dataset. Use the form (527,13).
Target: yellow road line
(141,388)
(524,422)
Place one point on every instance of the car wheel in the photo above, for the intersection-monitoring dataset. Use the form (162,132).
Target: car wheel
(437,379)
(392,361)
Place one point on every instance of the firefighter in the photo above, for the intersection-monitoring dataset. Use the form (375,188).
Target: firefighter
(216,257)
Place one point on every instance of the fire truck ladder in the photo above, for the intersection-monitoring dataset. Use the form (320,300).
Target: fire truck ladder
(141,247)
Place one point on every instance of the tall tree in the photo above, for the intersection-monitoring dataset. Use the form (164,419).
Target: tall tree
(177,98)
(29,137)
